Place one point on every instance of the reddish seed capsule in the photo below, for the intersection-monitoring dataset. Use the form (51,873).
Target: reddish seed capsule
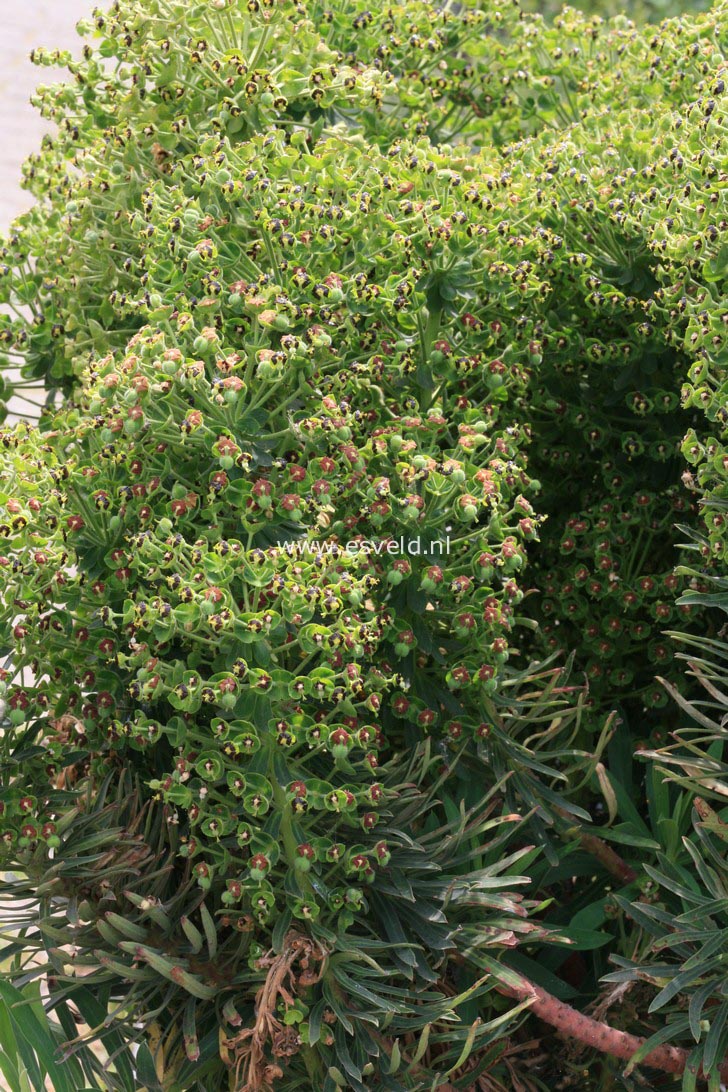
(259,862)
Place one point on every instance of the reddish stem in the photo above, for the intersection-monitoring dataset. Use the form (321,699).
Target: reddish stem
(603,852)
(608,857)
(596,1034)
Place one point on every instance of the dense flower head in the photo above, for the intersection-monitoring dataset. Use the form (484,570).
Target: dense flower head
(223,544)
(570,211)
(217,563)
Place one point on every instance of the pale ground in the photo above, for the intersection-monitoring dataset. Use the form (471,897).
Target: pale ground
(24,25)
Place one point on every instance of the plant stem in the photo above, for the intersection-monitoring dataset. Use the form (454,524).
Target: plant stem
(608,857)
(604,853)
(596,1034)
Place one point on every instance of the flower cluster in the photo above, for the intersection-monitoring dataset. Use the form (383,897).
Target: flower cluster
(580,209)
(631,221)
(303,370)
(168,551)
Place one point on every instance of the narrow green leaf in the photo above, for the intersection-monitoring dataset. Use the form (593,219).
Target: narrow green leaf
(8,1069)
(171,970)
(31,1033)
(193,934)
(395,1057)
(95,1014)
(716,1040)
(146,1070)
(208,925)
(696,1005)
(127,928)
(681,981)
(422,1044)
(467,1048)
(189,1030)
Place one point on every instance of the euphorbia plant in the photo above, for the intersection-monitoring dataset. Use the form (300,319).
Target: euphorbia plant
(572,272)
(471,73)
(274,539)
(199,576)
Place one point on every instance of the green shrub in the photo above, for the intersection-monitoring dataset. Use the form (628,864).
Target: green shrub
(224,657)
(684,932)
(449,281)
(578,280)
(605,412)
